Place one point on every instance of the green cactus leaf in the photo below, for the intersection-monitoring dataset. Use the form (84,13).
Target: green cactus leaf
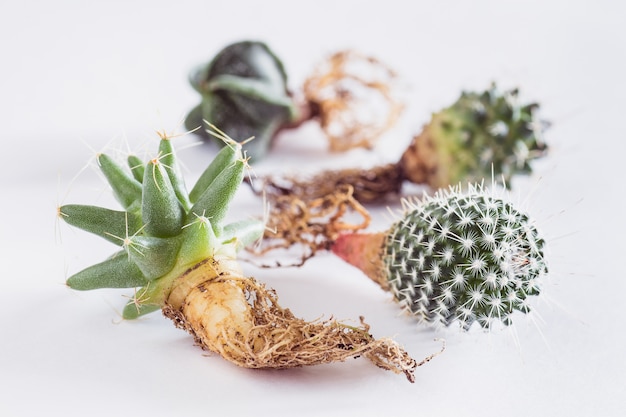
(199,241)
(116,272)
(153,255)
(246,232)
(146,300)
(213,203)
(225,157)
(127,189)
(140,305)
(167,157)
(136,167)
(162,212)
(111,225)
(132,311)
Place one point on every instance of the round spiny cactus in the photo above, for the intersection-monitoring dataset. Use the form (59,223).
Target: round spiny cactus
(455,257)
(177,252)
(480,135)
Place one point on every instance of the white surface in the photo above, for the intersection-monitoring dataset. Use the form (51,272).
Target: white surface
(77,76)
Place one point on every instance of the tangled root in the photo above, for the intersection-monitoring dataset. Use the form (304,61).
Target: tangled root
(241,320)
(354,98)
(372,185)
(313,224)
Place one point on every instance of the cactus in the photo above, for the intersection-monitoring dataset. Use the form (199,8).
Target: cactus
(178,253)
(455,257)
(480,136)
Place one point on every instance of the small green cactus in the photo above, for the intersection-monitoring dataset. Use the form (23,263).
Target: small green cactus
(455,257)
(163,230)
(480,135)
(244,91)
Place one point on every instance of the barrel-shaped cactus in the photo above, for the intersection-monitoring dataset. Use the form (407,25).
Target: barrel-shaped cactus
(461,257)
(177,251)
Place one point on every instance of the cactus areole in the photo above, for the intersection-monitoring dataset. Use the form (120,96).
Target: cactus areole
(178,254)
(455,257)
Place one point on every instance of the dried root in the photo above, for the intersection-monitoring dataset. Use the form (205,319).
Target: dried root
(354,98)
(240,319)
(372,185)
(310,223)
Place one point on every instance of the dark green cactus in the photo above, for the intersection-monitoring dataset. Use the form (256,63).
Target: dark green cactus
(244,91)
(479,136)
(461,257)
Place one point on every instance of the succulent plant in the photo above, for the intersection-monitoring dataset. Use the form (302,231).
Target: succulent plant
(163,230)
(480,136)
(244,91)
(180,255)
(457,256)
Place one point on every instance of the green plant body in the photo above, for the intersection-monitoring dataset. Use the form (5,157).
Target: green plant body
(482,134)
(243,90)
(457,257)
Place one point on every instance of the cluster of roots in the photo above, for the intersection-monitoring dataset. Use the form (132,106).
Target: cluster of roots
(374,185)
(354,98)
(269,336)
(313,224)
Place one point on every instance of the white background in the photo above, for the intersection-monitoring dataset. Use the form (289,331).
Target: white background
(81,77)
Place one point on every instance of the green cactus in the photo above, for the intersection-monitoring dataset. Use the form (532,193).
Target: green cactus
(177,251)
(455,257)
(244,91)
(163,230)
(480,135)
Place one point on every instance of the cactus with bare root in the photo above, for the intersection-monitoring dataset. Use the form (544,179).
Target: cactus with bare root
(178,253)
